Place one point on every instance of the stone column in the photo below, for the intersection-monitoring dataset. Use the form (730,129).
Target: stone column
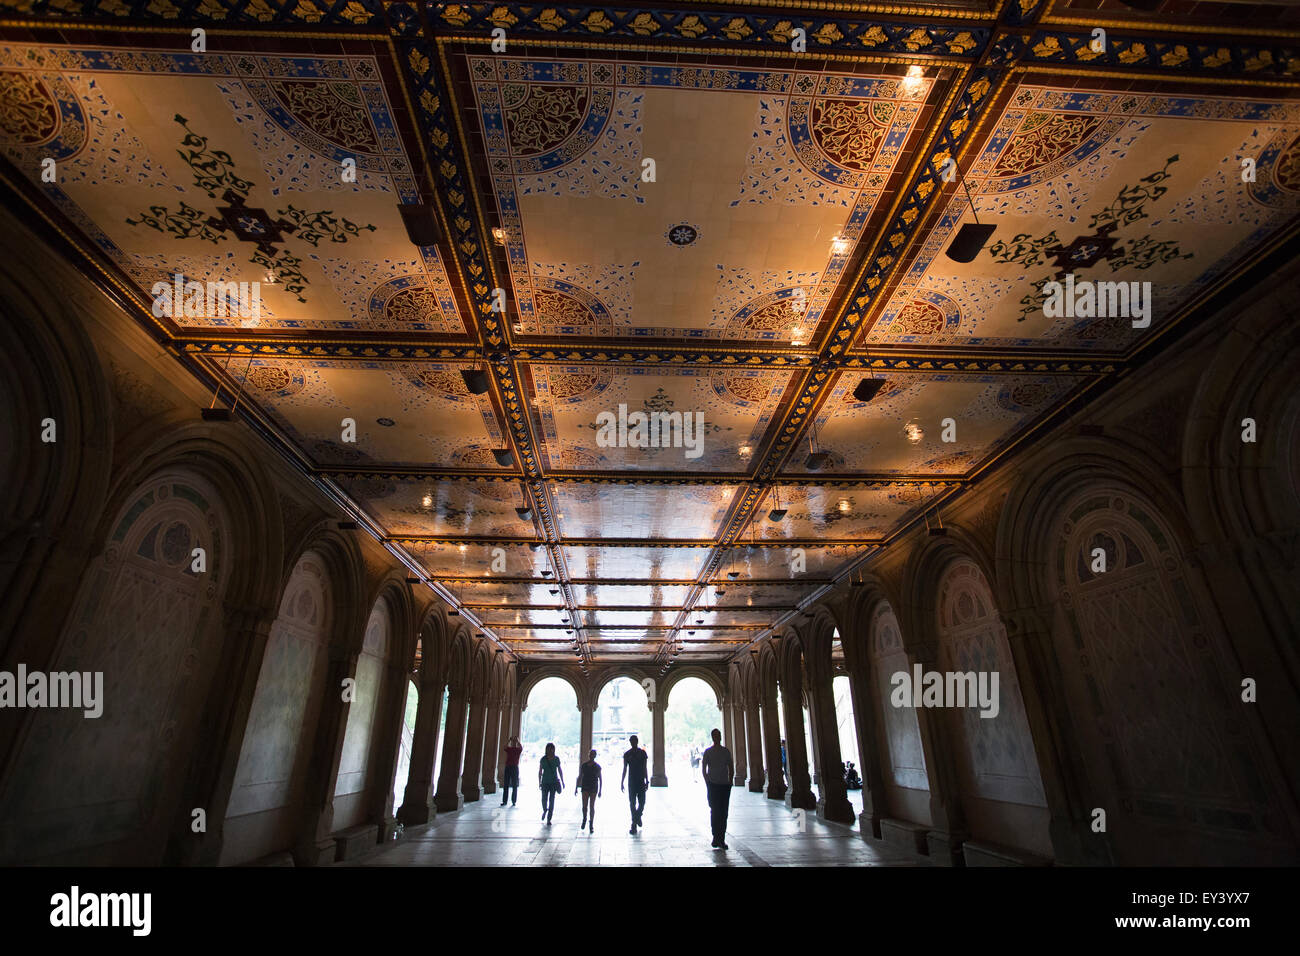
(1060,768)
(449,798)
(800,794)
(857,662)
(658,775)
(471,780)
(754,738)
(219,738)
(737,742)
(833,800)
(772,745)
(386,748)
(417,801)
(492,745)
(587,732)
(314,845)
(948,830)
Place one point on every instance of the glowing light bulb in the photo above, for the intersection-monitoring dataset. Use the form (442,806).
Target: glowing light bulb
(845,506)
(427,501)
(913,432)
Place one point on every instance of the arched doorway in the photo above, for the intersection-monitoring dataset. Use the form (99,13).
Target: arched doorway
(550,716)
(622,709)
(690,714)
(407,741)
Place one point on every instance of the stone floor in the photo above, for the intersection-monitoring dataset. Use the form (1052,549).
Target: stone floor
(760,832)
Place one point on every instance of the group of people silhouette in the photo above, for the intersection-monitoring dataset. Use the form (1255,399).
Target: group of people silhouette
(715,763)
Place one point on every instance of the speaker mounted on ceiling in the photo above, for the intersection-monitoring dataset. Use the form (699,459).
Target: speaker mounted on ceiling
(421,223)
(476,380)
(970,237)
(868,389)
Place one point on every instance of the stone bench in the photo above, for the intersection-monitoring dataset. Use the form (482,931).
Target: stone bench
(993,854)
(902,833)
(355,841)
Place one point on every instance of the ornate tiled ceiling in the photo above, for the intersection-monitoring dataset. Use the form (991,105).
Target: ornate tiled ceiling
(665,210)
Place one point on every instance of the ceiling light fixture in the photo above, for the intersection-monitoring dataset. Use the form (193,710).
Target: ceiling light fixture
(427,501)
(503,457)
(526,514)
(746,451)
(498,235)
(840,245)
(845,506)
(913,431)
(778,513)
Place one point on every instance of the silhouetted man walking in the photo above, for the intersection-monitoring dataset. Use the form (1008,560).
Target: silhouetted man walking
(719,772)
(635,761)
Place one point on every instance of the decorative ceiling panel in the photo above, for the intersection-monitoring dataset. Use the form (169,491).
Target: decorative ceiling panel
(700,238)
(839,511)
(235,168)
(650,563)
(642,511)
(640,199)
(443,508)
(636,595)
(902,430)
(655,420)
(405,413)
(1113,185)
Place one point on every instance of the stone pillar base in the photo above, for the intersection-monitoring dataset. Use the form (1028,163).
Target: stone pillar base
(869,826)
(755,784)
(412,815)
(945,848)
(315,854)
(490,787)
(836,811)
(800,800)
(448,802)
(472,794)
(739,781)
(776,791)
(658,780)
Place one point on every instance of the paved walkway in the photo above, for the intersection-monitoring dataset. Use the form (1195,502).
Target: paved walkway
(760,832)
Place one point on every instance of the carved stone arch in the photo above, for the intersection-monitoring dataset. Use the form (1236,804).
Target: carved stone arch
(226,462)
(49,368)
(706,674)
(341,556)
(480,669)
(460,658)
(1025,528)
(768,668)
(152,625)
(1191,785)
(403,636)
(601,678)
(918,613)
(1239,491)
(536,675)
(750,678)
(433,638)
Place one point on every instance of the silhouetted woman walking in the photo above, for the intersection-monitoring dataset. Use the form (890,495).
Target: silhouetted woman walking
(550,778)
